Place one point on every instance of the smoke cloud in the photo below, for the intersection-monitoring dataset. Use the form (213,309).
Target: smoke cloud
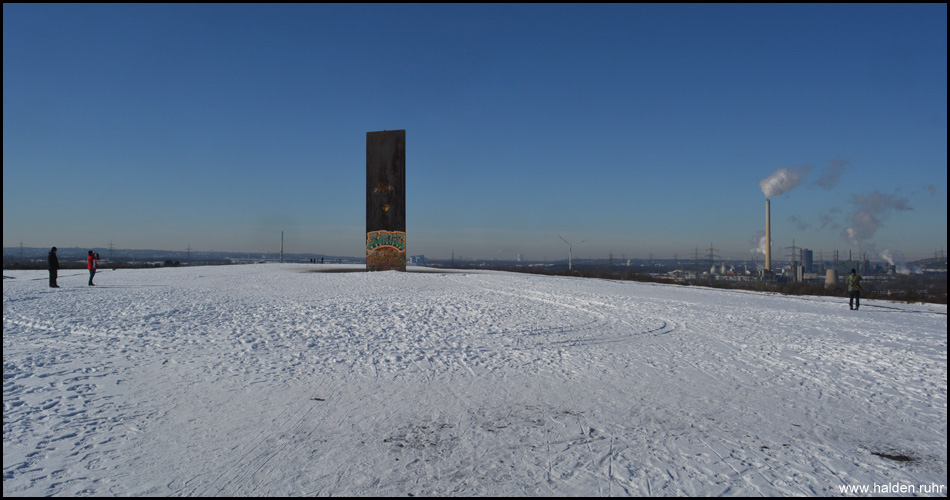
(831,175)
(758,243)
(870,213)
(782,180)
(828,219)
(798,222)
(896,259)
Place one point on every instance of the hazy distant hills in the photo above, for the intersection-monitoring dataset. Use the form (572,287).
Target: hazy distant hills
(16,254)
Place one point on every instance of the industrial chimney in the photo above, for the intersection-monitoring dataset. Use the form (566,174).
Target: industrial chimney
(768,235)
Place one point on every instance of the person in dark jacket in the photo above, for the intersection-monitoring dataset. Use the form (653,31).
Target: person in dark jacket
(53,268)
(854,289)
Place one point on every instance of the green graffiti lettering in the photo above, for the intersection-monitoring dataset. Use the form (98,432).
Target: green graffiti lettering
(378,239)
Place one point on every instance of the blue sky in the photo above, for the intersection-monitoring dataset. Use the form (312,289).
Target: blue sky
(642,129)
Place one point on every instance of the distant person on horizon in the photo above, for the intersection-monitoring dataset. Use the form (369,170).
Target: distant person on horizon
(91,260)
(854,289)
(53,268)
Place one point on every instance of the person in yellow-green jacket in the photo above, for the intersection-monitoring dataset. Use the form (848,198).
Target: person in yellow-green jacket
(854,289)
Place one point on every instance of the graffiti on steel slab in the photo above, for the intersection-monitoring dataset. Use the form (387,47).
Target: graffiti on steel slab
(380,239)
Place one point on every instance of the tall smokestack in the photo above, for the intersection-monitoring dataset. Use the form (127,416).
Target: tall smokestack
(768,235)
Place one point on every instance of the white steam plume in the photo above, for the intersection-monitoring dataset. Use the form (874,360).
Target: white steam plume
(870,213)
(782,180)
(758,243)
(886,255)
(899,267)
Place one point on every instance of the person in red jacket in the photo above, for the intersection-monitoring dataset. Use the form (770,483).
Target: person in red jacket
(91,265)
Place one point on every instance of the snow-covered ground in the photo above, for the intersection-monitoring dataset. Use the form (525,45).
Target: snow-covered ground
(271,379)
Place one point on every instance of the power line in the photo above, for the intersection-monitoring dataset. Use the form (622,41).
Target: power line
(712,256)
(793,255)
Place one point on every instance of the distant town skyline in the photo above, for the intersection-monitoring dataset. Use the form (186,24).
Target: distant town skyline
(700,255)
(641,129)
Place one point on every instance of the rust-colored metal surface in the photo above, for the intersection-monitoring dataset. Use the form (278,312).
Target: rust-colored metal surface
(386,200)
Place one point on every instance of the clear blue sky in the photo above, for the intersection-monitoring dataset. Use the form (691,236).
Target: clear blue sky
(642,129)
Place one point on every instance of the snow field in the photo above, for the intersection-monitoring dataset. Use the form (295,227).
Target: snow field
(276,380)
